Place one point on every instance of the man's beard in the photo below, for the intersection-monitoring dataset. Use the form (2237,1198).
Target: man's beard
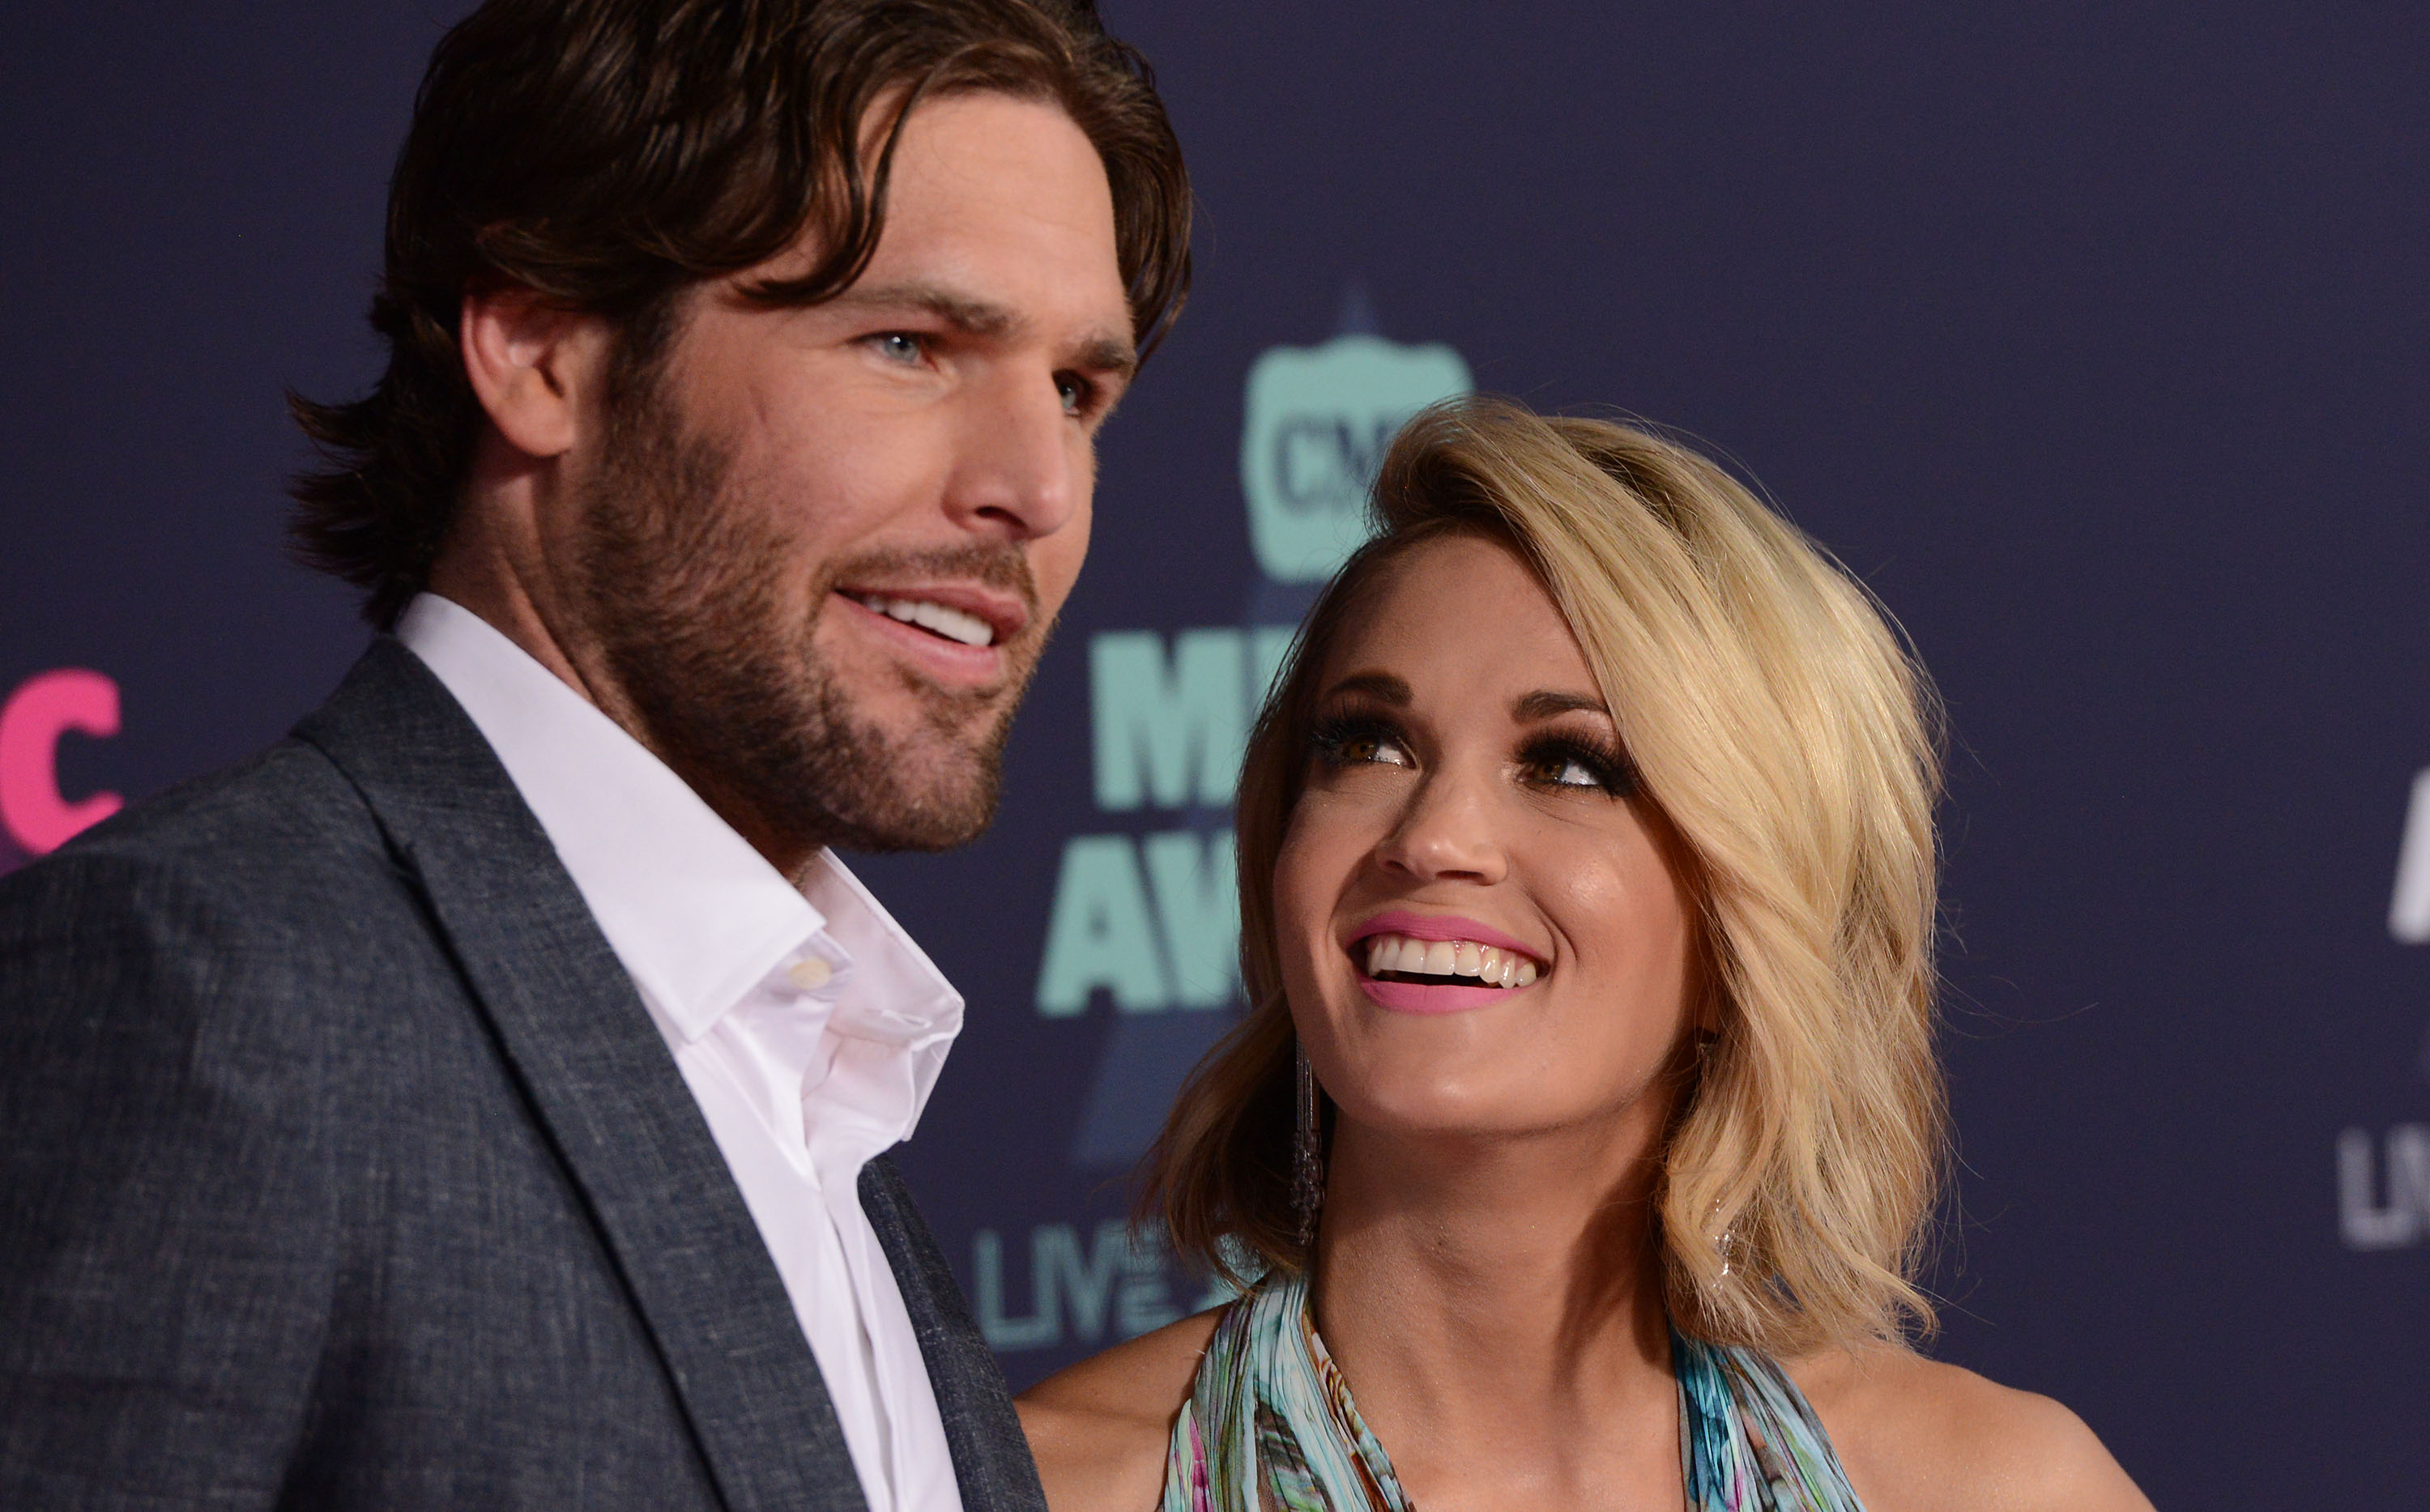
(684,580)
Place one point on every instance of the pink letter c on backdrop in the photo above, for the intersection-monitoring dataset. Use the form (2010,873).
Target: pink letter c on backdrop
(35,815)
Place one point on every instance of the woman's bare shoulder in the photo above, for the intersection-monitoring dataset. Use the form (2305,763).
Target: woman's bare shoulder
(1917,1435)
(1100,1429)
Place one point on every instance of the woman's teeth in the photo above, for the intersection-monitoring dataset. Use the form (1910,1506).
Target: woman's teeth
(952,624)
(1489,964)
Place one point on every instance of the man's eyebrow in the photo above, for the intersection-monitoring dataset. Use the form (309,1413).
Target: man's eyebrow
(1377,685)
(1114,355)
(1543,705)
(976,317)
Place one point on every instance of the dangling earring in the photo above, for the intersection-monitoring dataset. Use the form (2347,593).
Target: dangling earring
(1307,1160)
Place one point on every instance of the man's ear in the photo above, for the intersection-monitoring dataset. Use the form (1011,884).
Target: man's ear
(536,367)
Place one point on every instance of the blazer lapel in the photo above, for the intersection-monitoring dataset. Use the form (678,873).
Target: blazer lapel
(992,1461)
(600,1081)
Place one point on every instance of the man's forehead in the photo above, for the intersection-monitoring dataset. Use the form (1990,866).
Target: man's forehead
(999,183)
(997,220)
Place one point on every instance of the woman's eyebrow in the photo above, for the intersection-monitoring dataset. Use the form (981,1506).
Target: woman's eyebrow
(1543,704)
(1377,685)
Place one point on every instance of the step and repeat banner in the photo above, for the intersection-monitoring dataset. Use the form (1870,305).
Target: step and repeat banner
(2094,339)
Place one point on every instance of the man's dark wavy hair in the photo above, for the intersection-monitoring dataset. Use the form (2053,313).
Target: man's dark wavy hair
(609,154)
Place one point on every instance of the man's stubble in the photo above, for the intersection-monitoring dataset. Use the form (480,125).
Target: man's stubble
(684,572)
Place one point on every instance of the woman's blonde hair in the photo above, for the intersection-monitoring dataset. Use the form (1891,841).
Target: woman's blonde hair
(1782,731)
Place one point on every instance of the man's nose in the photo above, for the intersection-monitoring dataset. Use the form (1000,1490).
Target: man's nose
(1447,831)
(1023,470)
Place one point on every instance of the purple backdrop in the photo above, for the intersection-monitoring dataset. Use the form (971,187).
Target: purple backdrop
(2092,336)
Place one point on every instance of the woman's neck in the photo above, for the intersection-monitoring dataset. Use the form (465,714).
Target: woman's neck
(1496,1306)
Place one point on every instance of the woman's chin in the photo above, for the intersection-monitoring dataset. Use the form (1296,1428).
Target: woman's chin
(1436,1112)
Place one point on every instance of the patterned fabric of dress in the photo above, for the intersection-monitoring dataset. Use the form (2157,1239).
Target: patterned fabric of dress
(1270,1426)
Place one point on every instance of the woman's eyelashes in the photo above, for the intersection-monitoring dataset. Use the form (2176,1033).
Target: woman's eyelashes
(1359,740)
(1569,761)
(1553,762)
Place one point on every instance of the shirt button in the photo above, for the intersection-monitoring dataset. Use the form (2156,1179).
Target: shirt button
(810,973)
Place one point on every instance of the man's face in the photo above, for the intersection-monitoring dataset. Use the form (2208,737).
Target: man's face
(823,546)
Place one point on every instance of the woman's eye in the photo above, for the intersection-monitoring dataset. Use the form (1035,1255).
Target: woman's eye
(1362,747)
(1572,772)
(1575,770)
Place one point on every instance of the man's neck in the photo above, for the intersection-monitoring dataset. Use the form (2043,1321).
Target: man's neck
(489,576)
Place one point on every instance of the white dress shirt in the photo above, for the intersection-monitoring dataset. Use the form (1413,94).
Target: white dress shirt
(806,1023)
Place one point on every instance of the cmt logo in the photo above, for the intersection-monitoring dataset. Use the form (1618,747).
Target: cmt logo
(1319,419)
(38,818)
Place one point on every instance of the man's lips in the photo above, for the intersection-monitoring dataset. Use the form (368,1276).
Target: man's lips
(940,657)
(967,613)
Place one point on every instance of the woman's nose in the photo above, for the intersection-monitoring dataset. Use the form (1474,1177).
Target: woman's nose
(1447,831)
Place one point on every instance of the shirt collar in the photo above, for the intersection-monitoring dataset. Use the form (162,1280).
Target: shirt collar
(697,917)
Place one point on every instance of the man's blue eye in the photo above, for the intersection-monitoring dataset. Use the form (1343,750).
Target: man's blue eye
(902,348)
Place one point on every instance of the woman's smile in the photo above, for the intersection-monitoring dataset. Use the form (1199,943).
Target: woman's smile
(1426,963)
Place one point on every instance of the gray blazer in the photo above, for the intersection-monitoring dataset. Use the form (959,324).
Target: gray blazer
(341,1166)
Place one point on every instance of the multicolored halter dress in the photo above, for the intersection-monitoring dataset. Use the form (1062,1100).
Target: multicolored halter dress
(1270,1426)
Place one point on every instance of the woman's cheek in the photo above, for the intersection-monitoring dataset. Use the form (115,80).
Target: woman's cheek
(1303,909)
(1319,853)
(1291,889)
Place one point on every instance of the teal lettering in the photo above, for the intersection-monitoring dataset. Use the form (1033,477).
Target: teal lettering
(1085,1282)
(1199,903)
(1156,724)
(1118,1278)
(1043,1327)
(2365,1224)
(1100,934)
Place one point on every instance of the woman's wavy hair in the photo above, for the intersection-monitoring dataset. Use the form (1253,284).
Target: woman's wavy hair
(1784,733)
(610,154)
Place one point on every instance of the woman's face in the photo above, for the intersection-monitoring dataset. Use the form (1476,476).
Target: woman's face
(1480,929)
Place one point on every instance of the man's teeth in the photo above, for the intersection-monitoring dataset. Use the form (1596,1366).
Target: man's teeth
(952,624)
(1489,964)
